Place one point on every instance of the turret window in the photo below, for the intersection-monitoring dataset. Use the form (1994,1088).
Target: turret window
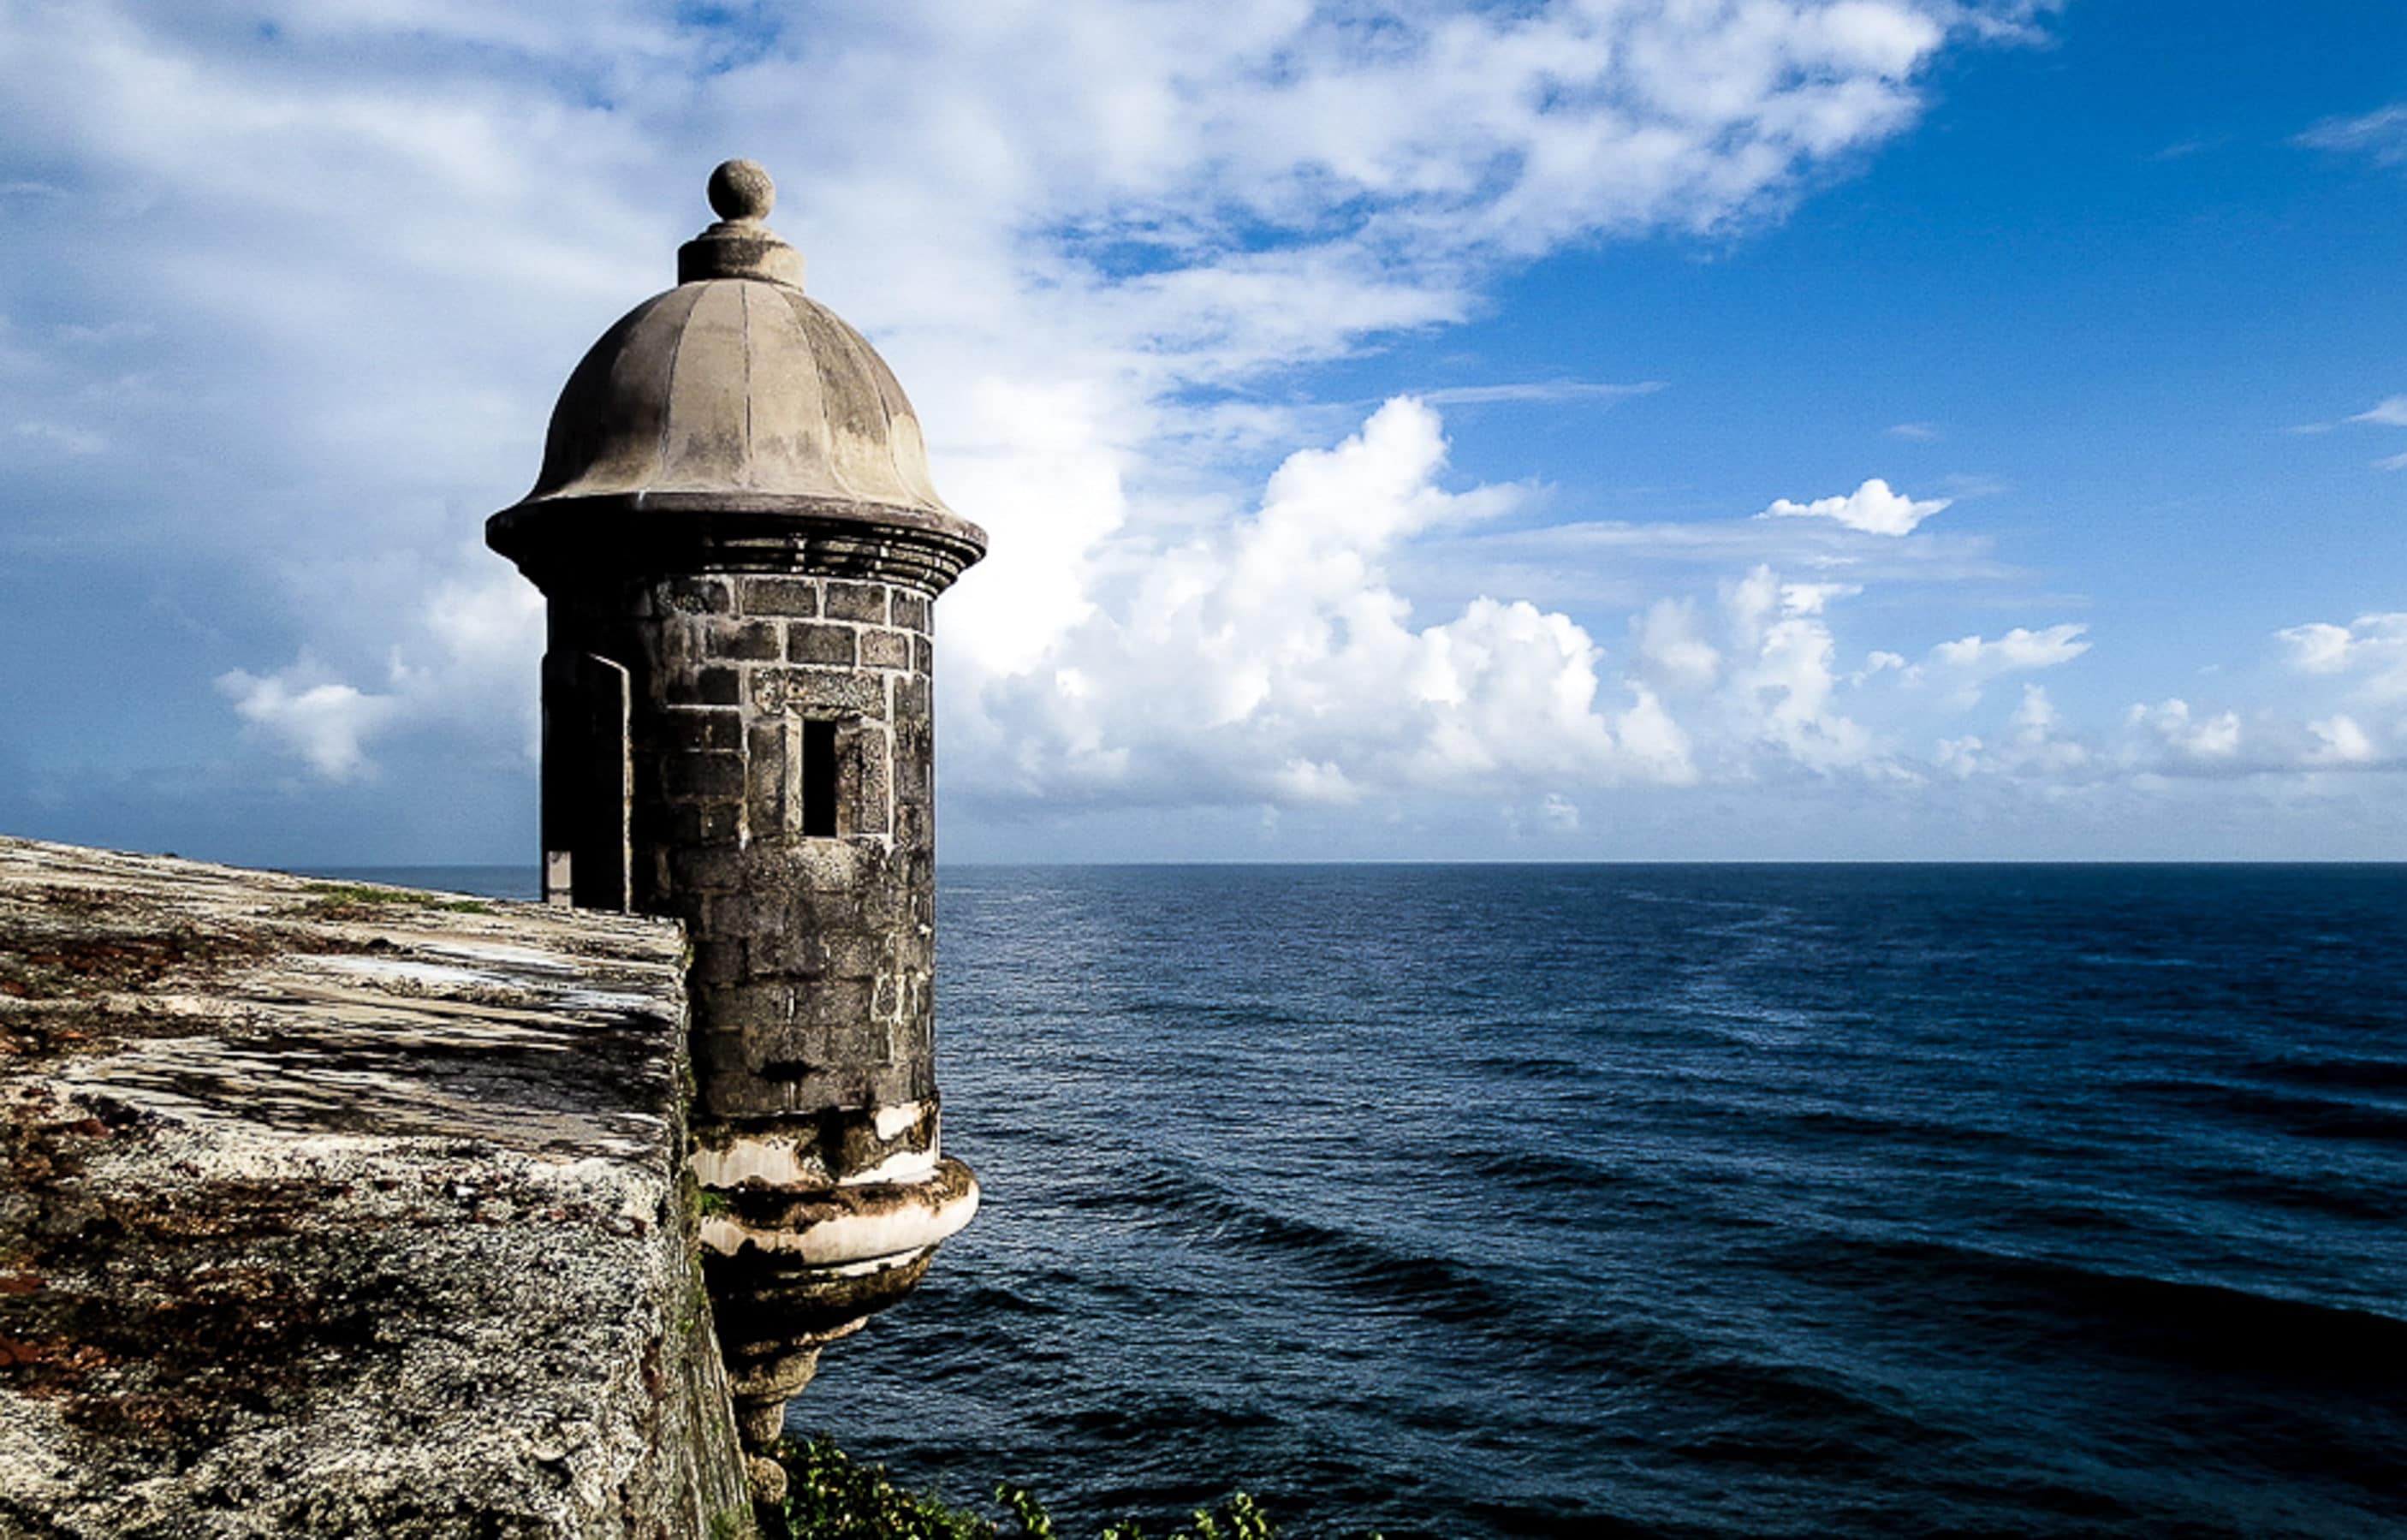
(819,778)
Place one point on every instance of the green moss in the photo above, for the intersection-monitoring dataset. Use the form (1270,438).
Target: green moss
(333,898)
(732,1524)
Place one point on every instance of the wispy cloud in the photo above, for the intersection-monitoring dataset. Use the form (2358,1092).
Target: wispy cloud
(80,441)
(1547,391)
(1919,433)
(1961,669)
(2390,412)
(2381,134)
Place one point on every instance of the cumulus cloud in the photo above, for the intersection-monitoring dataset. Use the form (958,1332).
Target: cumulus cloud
(2172,726)
(2371,649)
(1781,675)
(1273,661)
(1872,509)
(1669,649)
(2338,740)
(2037,746)
(327,724)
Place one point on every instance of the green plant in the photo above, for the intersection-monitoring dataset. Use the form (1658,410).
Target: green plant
(1242,1516)
(831,1497)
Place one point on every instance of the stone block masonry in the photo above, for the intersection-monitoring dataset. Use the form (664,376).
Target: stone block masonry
(722,822)
(335,1210)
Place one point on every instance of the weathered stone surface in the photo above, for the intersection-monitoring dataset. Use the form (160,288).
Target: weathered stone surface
(857,602)
(736,379)
(822,643)
(794,597)
(881,648)
(330,1210)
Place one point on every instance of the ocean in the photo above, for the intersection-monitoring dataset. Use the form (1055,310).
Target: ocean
(1708,1200)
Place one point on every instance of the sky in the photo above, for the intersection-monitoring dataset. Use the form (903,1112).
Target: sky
(1615,429)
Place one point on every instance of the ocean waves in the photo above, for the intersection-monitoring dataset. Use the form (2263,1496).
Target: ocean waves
(1778,1201)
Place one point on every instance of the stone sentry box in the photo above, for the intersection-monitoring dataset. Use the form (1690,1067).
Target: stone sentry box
(740,547)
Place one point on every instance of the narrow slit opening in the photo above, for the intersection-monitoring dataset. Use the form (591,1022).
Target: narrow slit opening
(819,778)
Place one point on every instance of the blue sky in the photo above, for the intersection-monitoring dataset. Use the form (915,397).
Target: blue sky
(1886,429)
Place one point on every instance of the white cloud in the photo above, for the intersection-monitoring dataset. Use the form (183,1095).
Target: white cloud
(2175,729)
(1544,392)
(1919,433)
(2040,741)
(2038,747)
(1959,756)
(2319,647)
(1669,649)
(2372,648)
(1781,676)
(1273,661)
(327,724)
(468,652)
(1962,667)
(2341,741)
(2390,412)
(2381,134)
(1872,509)
(2017,649)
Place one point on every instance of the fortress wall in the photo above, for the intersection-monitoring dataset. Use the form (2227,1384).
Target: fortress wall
(327,1210)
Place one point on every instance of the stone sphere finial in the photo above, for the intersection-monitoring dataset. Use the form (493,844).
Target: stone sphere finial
(741,191)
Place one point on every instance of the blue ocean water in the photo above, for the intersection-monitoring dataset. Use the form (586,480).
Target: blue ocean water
(1480,1202)
(1683,1200)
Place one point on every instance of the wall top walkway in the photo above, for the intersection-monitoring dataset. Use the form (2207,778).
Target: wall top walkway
(331,1209)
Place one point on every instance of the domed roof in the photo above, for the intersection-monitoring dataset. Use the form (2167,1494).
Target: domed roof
(736,383)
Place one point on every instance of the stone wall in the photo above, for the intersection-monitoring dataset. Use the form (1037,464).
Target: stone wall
(327,1210)
(814,953)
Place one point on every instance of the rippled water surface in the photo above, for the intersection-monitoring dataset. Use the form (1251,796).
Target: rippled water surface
(1532,1200)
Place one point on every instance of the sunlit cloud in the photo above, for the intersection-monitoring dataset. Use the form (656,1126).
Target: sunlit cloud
(1872,509)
